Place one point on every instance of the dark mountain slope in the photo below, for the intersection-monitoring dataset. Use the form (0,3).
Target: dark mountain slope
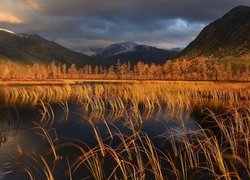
(228,36)
(29,49)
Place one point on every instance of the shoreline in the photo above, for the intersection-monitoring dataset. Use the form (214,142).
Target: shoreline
(82,81)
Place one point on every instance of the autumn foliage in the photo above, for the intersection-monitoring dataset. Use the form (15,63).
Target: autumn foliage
(199,69)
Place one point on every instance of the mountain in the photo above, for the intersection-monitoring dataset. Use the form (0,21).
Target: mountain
(176,49)
(90,51)
(28,49)
(130,51)
(117,48)
(227,37)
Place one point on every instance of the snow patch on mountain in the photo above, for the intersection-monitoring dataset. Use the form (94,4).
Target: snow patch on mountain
(12,32)
(118,48)
(8,31)
(123,47)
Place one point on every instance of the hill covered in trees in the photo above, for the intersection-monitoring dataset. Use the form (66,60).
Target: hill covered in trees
(225,38)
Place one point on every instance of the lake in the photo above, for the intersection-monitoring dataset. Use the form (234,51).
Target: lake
(124,131)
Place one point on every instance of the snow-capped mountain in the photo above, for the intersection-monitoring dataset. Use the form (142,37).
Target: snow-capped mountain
(117,48)
(133,52)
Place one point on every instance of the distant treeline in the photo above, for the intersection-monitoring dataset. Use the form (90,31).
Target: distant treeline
(199,69)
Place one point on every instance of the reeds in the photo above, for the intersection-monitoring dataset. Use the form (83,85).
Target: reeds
(177,96)
(220,154)
(203,152)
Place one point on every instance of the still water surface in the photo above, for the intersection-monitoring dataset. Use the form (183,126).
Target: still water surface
(19,134)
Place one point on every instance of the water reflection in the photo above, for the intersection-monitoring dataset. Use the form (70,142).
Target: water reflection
(77,127)
(72,113)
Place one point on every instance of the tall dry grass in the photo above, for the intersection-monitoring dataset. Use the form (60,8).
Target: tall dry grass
(219,152)
(198,153)
(177,96)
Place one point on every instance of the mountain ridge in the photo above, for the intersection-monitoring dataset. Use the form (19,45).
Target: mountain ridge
(228,36)
(29,49)
(117,48)
(133,52)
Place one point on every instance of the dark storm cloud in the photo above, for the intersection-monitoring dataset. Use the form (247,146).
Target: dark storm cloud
(190,9)
(80,23)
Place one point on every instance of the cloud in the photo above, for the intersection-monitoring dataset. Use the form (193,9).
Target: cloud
(137,9)
(81,23)
(8,18)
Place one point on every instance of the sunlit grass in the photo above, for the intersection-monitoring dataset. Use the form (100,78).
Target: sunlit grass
(99,97)
(220,154)
(136,156)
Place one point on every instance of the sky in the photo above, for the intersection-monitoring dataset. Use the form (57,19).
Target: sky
(77,24)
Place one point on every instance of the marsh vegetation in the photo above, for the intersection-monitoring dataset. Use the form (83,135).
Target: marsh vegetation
(145,130)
